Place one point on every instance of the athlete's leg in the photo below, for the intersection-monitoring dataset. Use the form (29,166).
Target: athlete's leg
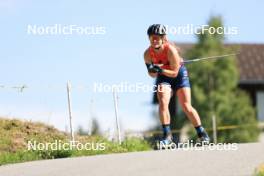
(184,96)
(164,95)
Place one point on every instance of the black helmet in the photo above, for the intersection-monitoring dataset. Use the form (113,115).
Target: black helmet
(157,29)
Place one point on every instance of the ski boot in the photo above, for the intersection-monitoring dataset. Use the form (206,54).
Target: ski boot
(203,139)
(165,143)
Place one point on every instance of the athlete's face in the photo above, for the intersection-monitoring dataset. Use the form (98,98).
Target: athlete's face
(156,41)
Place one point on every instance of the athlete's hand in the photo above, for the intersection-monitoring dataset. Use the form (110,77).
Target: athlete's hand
(157,69)
(154,68)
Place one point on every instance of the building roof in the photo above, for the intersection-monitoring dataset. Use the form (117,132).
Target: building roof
(250,61)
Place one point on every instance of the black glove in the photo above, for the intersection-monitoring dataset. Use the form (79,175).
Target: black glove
(157,69)
(154,68)
(150,68)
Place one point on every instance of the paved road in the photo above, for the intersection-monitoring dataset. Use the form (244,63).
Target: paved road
(152,163)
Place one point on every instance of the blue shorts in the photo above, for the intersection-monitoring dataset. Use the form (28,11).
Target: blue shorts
(182,79)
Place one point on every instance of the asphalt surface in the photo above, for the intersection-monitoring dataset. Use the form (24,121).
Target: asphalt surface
(240,162)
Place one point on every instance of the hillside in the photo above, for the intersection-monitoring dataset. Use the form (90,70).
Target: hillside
(15,135)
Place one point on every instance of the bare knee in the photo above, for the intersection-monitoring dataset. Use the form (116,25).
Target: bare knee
(187,108)
(164,95)
(163,103)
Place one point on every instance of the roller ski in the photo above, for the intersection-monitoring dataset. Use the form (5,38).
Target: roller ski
(203,138)
(165,143)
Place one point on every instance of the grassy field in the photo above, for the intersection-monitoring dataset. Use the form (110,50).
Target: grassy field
(15,134)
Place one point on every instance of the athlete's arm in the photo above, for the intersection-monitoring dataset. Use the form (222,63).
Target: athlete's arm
(147,60)
(174,60)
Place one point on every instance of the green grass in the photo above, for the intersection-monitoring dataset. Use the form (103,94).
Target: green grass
(19,156)
(259,171)
(15,134)
(128,145)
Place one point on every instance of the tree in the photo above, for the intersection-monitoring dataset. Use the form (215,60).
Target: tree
(95,128)
(81,131)
(214,88)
